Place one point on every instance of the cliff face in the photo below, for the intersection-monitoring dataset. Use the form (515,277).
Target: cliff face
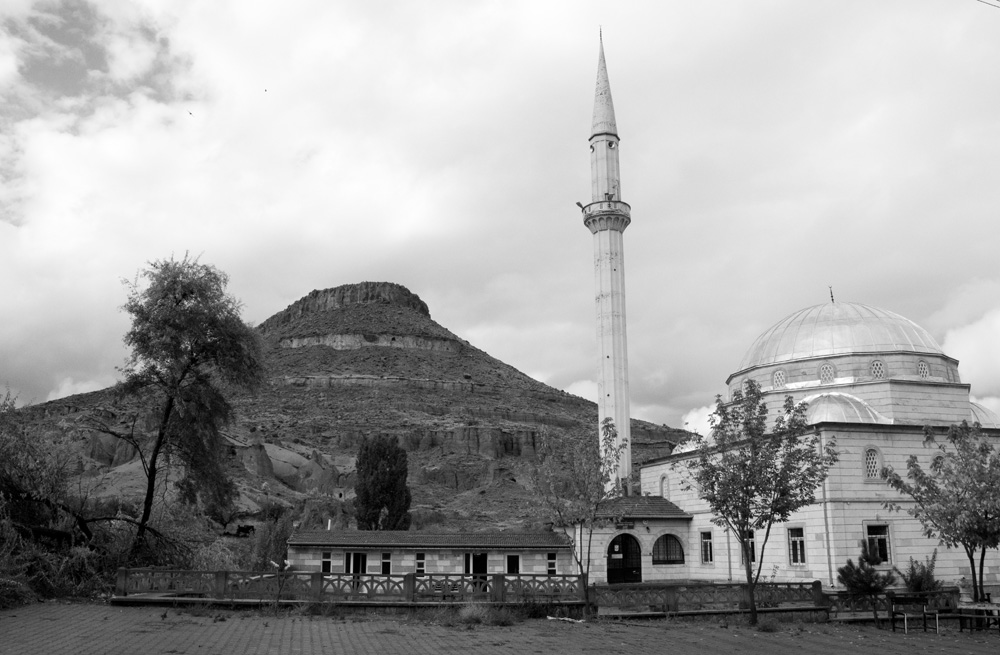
(364,359)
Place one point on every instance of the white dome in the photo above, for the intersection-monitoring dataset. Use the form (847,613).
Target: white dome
(836,407)
(838,328)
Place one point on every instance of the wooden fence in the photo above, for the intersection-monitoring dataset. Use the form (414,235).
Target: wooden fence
(349,588)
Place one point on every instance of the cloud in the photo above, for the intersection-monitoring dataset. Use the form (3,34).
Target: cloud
(977,348)
(696,420)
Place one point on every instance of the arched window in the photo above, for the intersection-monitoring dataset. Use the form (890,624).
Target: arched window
(668,550)
(878,369)
(826,373)
(873,464)
(779,379)
(923,370)
(664,487)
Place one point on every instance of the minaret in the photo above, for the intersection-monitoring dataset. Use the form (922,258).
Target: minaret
(607,217)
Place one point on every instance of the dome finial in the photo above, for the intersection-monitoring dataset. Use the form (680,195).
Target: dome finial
(831,295)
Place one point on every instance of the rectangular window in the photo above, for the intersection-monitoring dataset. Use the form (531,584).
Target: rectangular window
(751,547)
(707,556)
(327,561)
(551,561)
(421,564)
(386,563)
(796,546)
(513,564)
(878,542)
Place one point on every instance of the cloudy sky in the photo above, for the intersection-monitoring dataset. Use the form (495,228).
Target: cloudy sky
(770,149)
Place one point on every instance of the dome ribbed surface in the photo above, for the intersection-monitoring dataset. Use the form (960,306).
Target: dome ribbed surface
(838,328)
(984,416)
(841,408)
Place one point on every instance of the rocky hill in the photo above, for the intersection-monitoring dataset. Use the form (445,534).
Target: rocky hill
(365,359)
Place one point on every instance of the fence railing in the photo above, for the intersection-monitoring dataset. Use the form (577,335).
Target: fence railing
(708,596)
(349,587)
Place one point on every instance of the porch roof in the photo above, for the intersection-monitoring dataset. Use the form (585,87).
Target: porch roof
(410,540)
(644,507)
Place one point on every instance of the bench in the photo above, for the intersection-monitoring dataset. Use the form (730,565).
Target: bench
(936,604)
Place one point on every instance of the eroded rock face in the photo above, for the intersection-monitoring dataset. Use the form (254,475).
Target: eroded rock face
(363,293)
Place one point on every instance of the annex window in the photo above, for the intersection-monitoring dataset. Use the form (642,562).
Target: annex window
(923,370)
(751,547)
(386,563)
(878,369)
(550,564)
(668,550)
(327,562)
(826,373)
(513,564)
(779,379)
(796,546)
(707,556)
(421,564)
(878,541)
(873,464)
(664,487)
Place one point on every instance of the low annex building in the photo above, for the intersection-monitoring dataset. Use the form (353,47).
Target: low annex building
(396,552)
(872,379)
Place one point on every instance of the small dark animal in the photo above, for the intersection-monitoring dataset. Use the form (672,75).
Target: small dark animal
(244,530)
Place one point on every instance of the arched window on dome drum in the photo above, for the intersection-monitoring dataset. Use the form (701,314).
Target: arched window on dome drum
(923,370)
(779,379)
(878,369)
(826,373)
(873,464)
(668,550)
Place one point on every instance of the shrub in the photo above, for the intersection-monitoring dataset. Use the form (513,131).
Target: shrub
(768,625)
(14,594)
(863,579)
(472,613)
(919,576)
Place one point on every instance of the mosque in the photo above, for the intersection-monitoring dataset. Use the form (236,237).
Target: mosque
(872,380)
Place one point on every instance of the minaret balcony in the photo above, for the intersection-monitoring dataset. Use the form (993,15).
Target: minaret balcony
(607,215)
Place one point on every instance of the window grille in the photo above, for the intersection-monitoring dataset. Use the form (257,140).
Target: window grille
(779,379)
(707,556)
(878,542)
(668,550)
(826,373)
(878,369)
(923,370)
(796,546)
(873,464)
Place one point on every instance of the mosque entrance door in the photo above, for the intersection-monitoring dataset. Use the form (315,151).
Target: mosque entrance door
(624,560)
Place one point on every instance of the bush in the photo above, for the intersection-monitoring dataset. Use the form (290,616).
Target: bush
(14,594)
(919,576)
(768,625)
(479,613)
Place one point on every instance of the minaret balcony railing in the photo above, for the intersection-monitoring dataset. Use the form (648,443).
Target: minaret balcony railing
(607,215)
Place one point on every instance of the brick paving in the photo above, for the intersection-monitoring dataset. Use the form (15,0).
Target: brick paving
(91,629)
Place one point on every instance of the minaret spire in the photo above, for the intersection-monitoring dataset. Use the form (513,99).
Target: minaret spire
(607,217)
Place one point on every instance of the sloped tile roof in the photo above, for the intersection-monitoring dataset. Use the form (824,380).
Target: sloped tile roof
(405,539)
(644,507)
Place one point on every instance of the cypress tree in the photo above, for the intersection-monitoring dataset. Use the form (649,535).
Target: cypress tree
(382,499)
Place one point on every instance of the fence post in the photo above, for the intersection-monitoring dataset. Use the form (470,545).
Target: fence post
(121,587)
(410,587)
(220,584)
(497,590)
(316,584)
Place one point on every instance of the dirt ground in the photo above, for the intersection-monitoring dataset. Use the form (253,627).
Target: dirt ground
(83,629)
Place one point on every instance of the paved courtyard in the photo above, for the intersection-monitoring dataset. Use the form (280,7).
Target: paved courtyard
(86,629)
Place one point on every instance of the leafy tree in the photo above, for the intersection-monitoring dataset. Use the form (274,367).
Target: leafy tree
(956,498)
(382,499)
(752,479)
(577,481)
(864,580)
(188,345)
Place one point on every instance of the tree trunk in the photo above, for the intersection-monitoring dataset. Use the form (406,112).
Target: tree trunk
(975,581)
(982,558)
(147,503)
(748,567)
